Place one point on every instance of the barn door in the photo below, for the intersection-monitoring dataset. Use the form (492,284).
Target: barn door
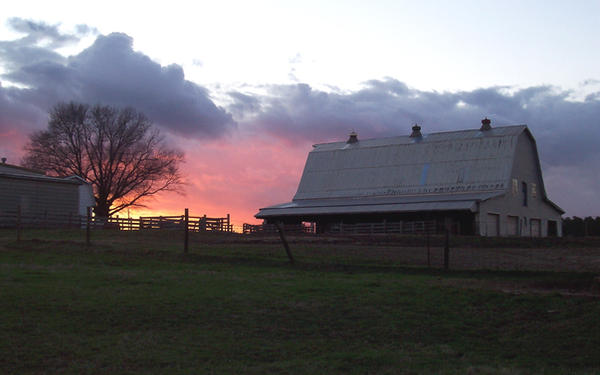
(536,227)
(512,225)
(493,225)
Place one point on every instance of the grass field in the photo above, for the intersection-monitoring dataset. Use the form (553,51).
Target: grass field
(132,303)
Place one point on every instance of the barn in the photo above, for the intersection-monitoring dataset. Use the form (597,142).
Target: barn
(485,181)
(36,194)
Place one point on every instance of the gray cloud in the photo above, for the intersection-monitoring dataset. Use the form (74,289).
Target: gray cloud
(243,104)
(38,43)
(107,72)
(568,130)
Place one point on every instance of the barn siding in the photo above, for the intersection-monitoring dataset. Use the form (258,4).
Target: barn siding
(37,197)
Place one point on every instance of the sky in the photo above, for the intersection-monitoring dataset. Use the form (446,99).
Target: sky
(245,88)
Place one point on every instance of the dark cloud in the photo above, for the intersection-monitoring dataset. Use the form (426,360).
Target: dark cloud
(568,130)
(243,104)
(107,72)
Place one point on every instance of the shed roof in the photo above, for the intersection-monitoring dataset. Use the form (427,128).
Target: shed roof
(22,173)
(41,178)
(16,169)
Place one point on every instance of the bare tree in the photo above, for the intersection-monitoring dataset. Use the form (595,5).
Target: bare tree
(116,150)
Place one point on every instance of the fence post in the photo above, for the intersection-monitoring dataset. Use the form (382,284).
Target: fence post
(18,223)
(428,248)
(87,226)
(284,241)
(186,231)
(447,249)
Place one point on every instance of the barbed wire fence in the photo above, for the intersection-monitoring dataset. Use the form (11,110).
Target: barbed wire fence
(418,247)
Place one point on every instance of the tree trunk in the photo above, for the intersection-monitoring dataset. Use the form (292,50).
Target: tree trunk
(102,209)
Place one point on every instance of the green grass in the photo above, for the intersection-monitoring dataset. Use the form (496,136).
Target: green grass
(135,304)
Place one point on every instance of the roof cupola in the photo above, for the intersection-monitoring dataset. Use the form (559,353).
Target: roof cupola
(416,131)
(353,138)
(485,124)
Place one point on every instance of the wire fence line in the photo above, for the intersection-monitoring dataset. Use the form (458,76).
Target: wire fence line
(418,249)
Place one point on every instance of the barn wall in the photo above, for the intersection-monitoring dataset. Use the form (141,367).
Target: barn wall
(525,169)
(37,197)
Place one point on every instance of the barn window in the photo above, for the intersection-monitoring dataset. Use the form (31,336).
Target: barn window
(515,186)
(524,189)
(533,190)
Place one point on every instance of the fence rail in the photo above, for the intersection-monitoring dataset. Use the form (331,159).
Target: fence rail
(401,227)
(195,223)
(15,219)
(272,229)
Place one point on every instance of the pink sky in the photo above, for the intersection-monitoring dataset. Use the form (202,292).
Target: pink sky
(237,175)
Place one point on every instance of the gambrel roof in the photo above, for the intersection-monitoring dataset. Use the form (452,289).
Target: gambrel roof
(437,171)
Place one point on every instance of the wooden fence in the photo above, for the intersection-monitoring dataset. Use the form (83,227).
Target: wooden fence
(15,219)
(195,223)
(401,227)
(272,229)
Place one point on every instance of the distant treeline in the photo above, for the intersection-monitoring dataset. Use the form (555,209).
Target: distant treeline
(578,227)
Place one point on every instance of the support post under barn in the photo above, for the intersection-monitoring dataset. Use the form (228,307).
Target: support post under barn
(284,241)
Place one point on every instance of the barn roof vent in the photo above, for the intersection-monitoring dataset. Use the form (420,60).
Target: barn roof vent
(416,132)
(485,124)
(353,137)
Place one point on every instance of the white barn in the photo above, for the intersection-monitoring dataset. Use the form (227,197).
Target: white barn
(485,181)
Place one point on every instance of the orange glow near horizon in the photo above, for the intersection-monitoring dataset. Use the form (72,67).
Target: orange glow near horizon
(235,176)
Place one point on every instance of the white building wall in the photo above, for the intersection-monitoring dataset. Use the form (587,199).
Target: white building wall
(86,198)
(525,170)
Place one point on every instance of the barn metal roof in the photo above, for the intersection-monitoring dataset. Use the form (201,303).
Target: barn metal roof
(430,202)
(445,162)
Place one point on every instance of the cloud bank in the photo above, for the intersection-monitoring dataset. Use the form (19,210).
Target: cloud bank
(107,72)
(567,131)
